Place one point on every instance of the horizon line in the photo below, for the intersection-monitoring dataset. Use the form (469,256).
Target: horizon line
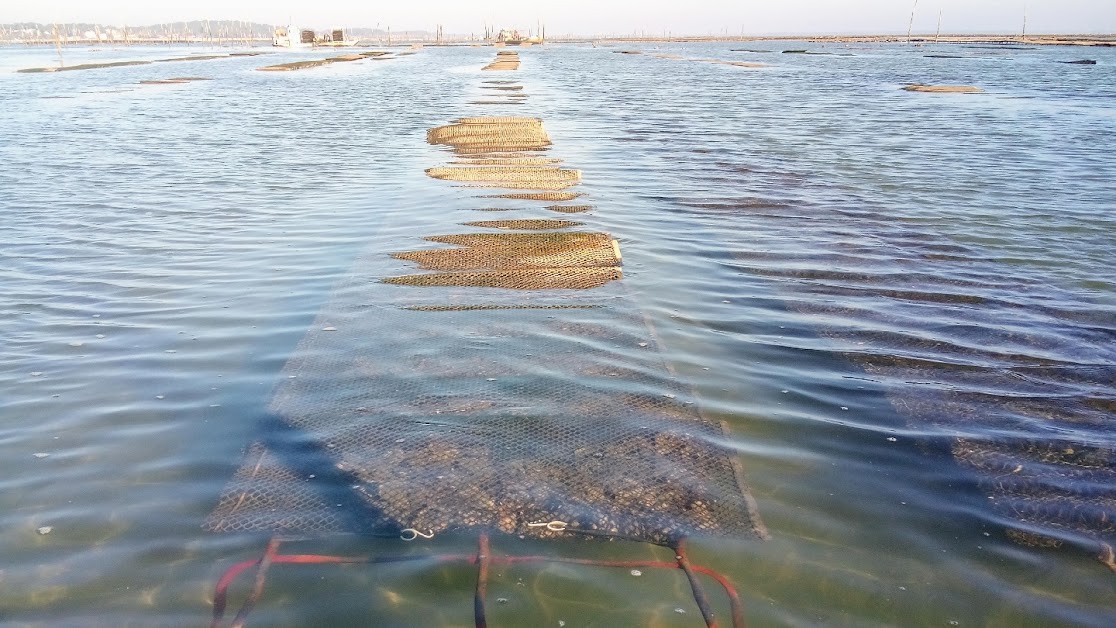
(622,34)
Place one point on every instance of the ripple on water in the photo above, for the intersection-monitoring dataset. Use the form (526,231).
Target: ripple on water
(897,303)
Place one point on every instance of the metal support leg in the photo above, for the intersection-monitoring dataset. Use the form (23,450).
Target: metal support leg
(695,585)
(483,559)
(220,599)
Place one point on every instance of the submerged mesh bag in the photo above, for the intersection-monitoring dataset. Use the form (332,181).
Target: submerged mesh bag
(577,250)
(505,60)
(525,224)
(499,383)
(483,410)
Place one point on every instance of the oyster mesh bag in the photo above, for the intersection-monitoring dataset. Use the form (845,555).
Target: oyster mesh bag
(492,381)
(474,407)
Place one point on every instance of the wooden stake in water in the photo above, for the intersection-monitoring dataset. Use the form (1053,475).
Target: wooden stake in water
(58,46)
(911,24)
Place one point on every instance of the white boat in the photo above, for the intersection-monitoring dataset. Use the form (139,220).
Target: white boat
(291,37)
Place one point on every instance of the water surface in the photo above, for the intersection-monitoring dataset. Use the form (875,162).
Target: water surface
(894,300)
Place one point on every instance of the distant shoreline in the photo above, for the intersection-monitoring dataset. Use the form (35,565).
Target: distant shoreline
(1033,40)
(1045,40)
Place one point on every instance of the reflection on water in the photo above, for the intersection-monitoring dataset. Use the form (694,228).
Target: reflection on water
(897,301)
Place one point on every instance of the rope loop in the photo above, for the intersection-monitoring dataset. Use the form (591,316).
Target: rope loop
(411,534)
(553,526)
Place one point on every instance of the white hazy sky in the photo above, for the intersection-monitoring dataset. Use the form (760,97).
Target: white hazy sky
(601,16)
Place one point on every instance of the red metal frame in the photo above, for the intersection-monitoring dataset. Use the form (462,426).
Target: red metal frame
(483,559)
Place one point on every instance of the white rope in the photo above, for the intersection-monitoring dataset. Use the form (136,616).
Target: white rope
(553,526)
(414,534)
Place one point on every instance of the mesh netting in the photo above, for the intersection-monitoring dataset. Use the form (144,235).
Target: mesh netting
(525,224)
(1046,485)
(486,135)
(506,161)
(1022,387)
(536,184)
(570,209)
(501,174)
(505,60)
(516,250)
(534,279)
(539,196)
(453,416)
(269,493)
(512,385)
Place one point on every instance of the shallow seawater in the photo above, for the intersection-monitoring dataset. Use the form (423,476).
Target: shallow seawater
(893,299)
